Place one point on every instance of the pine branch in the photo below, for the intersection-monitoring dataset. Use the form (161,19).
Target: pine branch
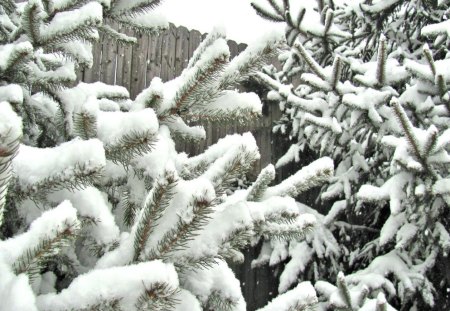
(238,166)
(154,207)
(104,305)
(193,172)
(84,32)
(193,89)
(130,209)
(31,21)
(242,70)
(130,23)
(408,129)
(9,6)
(158,296)
(82,175)
(429,57)
(241,115)
(207,42)
(35,259)
(189,264)
(280,10)
(185,230)
(336,73)
(136,8)
(64,6)
(344,291)
(258,188)
(15,69)
(7,153)
(238,239)
(129,146)
(85,125)
(283,231)
(328,21)
(266,14)
(121,38)
(315,67)
(381,62)
(217,302)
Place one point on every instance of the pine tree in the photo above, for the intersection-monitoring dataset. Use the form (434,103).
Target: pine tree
(97,209)
(372,95)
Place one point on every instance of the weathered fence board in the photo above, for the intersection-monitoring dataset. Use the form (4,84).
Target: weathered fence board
(165,56)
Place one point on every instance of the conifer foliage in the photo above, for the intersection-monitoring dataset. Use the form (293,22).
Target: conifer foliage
(373,96)
(97,209)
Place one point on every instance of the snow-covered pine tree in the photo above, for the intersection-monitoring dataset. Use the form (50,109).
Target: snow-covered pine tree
(373,96)
(97,209)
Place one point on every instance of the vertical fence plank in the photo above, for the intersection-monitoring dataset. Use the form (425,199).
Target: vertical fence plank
(168,54)
(93,74)
(138,65)
(182,50)
(154,58)
(125,54)
(108,64)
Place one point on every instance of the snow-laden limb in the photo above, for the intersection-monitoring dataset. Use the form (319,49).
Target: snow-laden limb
(65,26)
(348,296)
(391,190)
(102,231)
(72,164)
(216,288)
(222,161)
(148,284)
(260,185)
(10,135)
(312,175)
(28,252)
(11,53)
(302,297)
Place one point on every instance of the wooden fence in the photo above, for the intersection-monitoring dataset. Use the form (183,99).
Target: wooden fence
(165,56)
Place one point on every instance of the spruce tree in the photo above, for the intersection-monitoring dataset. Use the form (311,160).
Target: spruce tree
(372,95)
(97,209)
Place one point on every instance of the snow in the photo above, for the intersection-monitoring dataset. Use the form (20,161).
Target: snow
(302,295)
(270,39)
(219,280)
(10,128)
(11,93)
(230,101)
(301,255)
(65,22)
(150,19)
(124,283)
(436,29)
(391,227)
(48,226)
(90,202)
(442,187)
(15,291)
(405,235)
(309,176)
(34,165)
(9,51)
(112,126)
(392,190)
(178,92)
